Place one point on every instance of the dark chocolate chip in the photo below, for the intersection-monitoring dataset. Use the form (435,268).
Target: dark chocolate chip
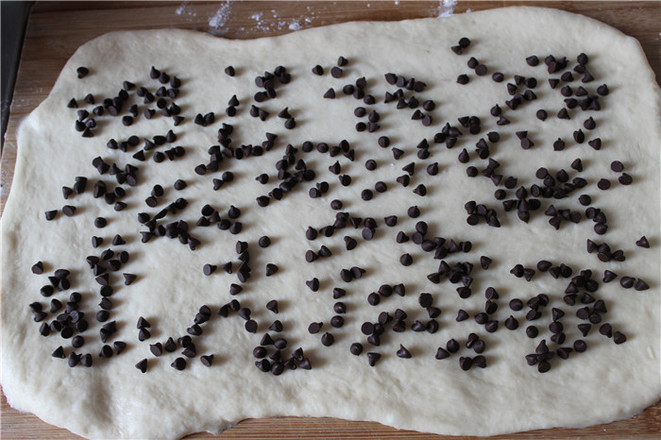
(619,338)
(463,79)
(373,358)
(625,179)
(327,339)
(403,352)
(641,285)
(179,364)
(603,184)
(498,77)
(100,222)
(336,72)
(82,72)
(532,331)
(208,269)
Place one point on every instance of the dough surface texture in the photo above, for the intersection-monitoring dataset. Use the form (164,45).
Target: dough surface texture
(113,399)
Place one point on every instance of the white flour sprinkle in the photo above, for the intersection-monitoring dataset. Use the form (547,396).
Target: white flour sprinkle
(295,25)
(217,21)
(446,8)
(183,9)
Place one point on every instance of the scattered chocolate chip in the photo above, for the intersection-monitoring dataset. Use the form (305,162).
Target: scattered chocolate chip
(531,331)
(207,360)
(619,338)
(142,366)
(641,285)
(38,267)
(463,79)
(100,222)
(327,339)
(336,72)
(208,269)
(373,358)
(82,72)
(642,242)
(179,364)
(625,179)
(603,184)
(356,348)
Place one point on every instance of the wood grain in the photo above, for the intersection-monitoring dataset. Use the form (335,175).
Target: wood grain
(646,426)
(56,29)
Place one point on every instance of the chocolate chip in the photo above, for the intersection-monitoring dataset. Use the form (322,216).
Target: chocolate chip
(156,349)
(142,365)
(531,331)
(619,338)
(603,184)
(420,190)
(207,360)
(142,323)
(403,352)
(271,269)
(511,323)
(82,72)
(589,123)
(580,346)
(481,70)
(38,267)
(315,327)
(251,326)
(625,179)
(179,364)
(465,363)
(100,222)
(464,42)
(532,60)
(642,242)
(327,339)
(318,70)
(208,269)
(119,346)
(641,285)
(406,259)
(373,358)
(329,94)
(463,79)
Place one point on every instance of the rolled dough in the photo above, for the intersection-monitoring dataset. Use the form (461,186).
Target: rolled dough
(113,399)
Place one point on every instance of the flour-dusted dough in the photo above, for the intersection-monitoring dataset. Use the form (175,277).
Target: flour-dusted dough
(113,399)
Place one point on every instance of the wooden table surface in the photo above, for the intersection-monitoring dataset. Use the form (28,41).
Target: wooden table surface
(56,29)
